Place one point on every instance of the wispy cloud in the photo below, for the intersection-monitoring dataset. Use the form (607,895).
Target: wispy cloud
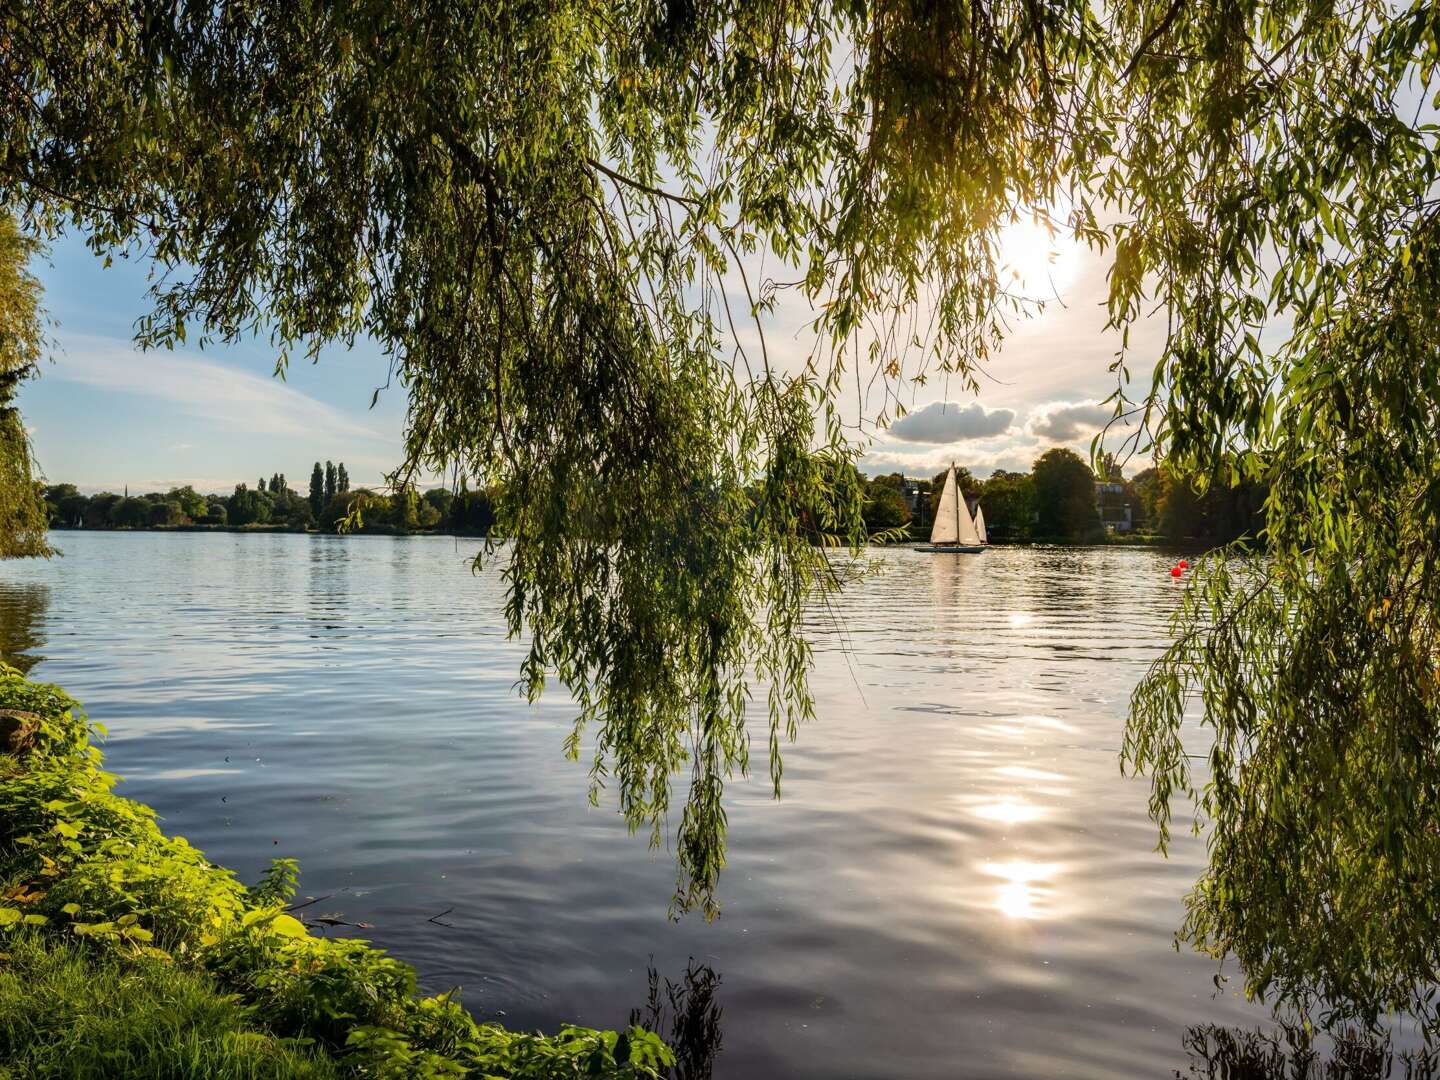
(217,393)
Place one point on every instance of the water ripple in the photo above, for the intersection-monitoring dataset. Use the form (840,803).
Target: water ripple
(957,881)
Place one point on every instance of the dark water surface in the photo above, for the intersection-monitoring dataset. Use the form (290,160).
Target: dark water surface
(957,883)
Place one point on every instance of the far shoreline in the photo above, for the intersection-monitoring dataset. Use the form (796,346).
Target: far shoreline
(1149,542)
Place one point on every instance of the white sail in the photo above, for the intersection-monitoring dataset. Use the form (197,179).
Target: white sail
(953,524)
(968,535)
(980,524)
(946,529)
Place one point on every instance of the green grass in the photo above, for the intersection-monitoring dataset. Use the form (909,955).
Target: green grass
(73,1011)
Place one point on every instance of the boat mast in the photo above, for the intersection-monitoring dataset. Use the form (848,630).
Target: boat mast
(959,498)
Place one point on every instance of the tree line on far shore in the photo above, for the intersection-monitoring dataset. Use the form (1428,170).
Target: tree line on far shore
(273,504)
(1059,500)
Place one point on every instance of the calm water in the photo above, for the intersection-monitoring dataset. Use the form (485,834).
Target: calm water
(957,882)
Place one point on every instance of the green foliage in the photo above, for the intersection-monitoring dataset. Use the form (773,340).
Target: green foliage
(1148,487)
(1064,490)
(1221,513)
(407,511)
(1317,800)
(97,511)
(440,500)
(298,514)
(114,897)
(538,219)
(71,1012)
(278,884)
(471,512)
(23,516)
(1311,673)
(491,214)
(339,508)
(317,490)
(22,330)
(249,507)
(192,504)
(1009,502)
(166,513)
(885,509)
(128,513)
(64,505)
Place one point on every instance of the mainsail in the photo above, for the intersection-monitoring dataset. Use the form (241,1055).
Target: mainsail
(953,524)
(980,524)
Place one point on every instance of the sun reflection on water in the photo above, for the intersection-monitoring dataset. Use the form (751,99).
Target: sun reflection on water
(1025,772)
(1025,887)
(1009,811)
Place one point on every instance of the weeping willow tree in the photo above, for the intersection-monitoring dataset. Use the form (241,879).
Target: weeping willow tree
(1302,281)
(556,216)
(23,520)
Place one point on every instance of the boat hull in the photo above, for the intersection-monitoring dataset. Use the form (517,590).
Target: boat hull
(950,549)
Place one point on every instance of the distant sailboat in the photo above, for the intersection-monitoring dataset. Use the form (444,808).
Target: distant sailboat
(980,524)
(954,529)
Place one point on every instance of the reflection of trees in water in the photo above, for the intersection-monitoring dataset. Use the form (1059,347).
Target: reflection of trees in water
(687,1016)
(1290,1053)
(22,623)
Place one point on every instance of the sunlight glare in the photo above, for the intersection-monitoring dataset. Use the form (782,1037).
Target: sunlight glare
(1024,772)
(1034,262)
(1024,884)
(1009,811)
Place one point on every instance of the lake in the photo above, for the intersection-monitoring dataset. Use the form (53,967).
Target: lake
(956,883)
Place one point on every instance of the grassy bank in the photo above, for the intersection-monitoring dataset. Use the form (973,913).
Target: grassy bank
(125,953)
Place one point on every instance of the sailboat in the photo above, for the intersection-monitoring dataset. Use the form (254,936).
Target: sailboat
(954,529)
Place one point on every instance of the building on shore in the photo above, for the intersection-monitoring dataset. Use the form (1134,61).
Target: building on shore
(1117,512)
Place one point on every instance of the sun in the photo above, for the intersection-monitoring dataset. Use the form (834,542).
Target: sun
(1037,257)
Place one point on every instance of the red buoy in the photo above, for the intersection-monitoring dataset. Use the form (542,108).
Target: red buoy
(1183,564)
(1175,571)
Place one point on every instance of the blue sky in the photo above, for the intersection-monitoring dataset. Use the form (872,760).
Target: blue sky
(104,415)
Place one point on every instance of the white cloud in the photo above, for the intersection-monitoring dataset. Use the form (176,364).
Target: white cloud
(949,421)
(1066,421)
(203,388)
